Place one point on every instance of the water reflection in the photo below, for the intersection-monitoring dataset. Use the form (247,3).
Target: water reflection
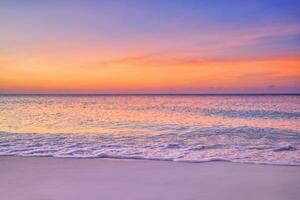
(262,129)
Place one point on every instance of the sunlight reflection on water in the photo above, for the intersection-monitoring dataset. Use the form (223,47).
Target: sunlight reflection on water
(262,129)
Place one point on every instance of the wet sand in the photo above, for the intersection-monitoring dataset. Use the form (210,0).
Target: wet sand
(46,178)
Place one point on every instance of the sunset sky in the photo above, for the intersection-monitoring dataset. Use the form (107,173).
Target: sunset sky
(154,46)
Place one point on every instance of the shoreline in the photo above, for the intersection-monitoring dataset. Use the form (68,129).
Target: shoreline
(213,160)
(110,178)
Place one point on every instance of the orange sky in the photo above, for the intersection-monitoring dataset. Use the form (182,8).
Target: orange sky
(149,47)
(152,74)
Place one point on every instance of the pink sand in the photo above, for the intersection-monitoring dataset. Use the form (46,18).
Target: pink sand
(41,178)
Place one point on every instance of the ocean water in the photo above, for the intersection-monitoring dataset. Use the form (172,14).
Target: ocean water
(261,129)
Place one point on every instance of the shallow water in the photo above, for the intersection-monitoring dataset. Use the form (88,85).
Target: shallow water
(195,128)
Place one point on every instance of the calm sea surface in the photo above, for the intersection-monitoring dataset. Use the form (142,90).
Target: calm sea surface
(237,128)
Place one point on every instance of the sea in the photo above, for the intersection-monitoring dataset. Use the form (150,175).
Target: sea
(259,129)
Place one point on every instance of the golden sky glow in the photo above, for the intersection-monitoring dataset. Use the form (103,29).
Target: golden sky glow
(149,47)
(152,75)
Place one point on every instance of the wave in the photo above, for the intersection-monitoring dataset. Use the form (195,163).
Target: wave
(234,146)
(268,114)
(228,113)
(286,148)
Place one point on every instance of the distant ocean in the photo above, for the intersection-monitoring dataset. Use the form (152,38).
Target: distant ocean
(262,129)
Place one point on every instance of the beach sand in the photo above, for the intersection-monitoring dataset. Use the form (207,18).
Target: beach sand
(46,178)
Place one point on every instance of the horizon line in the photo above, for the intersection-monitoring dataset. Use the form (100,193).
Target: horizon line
(139,94)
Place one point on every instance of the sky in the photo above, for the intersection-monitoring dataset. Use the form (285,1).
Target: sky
(150,46)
